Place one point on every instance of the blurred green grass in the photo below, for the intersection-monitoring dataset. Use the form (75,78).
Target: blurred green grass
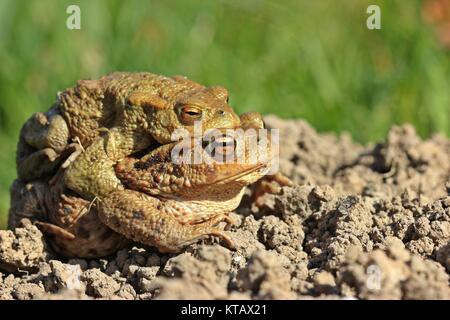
(310,59)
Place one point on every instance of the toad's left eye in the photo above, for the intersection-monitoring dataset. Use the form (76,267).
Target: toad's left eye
(188,115)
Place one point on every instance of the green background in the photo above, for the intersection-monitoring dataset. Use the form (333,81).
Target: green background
(310,59)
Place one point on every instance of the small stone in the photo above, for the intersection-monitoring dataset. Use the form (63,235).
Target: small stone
(148,273)
(145,285)
(66,276)
(324,278)
(422,226)
(98,284)
(127,292)
(27,291)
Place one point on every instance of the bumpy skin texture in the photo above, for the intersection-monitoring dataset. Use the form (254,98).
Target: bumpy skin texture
(70,186)
(70,223)
(165,204)
(111,118)
(43,144)
(170,205)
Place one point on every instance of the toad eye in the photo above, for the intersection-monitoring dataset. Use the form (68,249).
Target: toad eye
(189,114)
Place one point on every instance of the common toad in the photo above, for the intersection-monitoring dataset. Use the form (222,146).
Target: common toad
(166,204)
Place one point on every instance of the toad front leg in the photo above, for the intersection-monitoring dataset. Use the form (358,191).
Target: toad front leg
(148,220)
(42,144)
(92,174)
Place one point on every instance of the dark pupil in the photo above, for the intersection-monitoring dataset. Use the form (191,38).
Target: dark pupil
(192,113)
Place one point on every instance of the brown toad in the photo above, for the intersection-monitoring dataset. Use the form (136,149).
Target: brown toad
(166,204)
(136,113)
(110,118)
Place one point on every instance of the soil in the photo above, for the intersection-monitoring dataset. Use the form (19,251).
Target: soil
(361,222)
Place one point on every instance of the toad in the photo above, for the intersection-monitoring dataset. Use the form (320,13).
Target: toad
(165,203)
(99,122)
